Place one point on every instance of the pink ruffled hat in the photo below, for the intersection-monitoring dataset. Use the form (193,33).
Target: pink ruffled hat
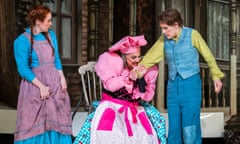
(129,44)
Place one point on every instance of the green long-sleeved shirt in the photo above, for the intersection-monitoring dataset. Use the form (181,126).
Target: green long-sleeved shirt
(156,54)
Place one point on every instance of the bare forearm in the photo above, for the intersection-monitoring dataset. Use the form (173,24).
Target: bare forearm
(38,83)
(63,80)
(61,73)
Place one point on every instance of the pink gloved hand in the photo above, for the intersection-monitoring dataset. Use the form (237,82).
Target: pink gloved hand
(125,75)
(133,75)
(129,86)
(141,71)
(137,72)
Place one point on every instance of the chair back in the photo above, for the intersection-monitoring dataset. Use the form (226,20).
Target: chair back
(91,88)
(91,84)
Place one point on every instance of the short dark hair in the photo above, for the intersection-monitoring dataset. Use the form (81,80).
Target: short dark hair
(170,17)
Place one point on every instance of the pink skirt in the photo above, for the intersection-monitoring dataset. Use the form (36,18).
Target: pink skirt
(36,116)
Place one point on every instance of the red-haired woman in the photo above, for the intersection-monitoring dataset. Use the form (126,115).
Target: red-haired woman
(43,111)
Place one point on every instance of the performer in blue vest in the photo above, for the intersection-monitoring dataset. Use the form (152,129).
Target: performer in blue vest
(181,47)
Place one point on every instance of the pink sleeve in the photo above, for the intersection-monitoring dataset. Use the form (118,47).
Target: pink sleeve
(150,78)
(109,68)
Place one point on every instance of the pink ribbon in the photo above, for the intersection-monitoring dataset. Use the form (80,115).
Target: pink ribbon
(124,108)
(133,110)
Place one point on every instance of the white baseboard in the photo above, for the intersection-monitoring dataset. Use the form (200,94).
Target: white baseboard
(212,124)
(8,121)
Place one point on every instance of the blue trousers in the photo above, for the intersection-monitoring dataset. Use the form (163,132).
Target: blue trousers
(184,105)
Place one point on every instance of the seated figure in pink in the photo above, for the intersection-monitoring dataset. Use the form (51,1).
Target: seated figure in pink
(121,116)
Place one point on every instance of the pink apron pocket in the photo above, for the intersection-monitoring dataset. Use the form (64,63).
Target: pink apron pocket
(107,120)
(145,123)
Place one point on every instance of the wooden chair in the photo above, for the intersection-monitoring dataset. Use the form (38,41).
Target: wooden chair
(91,84)
(91,88)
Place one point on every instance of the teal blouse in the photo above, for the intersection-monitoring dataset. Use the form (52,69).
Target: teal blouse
(22,54)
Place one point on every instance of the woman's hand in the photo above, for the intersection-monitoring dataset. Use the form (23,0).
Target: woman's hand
(44,92)
(137,72)
(63,84)
(63,81)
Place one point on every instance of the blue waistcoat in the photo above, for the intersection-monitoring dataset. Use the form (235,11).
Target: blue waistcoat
(182,57)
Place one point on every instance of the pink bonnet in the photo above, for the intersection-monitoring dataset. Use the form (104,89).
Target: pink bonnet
(129,44)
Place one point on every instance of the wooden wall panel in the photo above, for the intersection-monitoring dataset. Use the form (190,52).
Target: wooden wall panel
(146,21)
(9,79)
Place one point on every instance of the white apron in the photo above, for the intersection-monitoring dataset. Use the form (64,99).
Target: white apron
(121,122)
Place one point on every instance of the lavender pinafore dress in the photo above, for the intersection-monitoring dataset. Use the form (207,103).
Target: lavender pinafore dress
(36,116)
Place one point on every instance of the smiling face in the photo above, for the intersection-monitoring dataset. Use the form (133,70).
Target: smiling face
(170,31)
(133,59)
(45,24)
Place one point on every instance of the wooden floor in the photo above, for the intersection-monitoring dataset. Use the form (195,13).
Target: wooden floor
(213,141)
(8,139)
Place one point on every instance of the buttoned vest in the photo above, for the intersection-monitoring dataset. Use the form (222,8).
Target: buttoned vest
(182,57)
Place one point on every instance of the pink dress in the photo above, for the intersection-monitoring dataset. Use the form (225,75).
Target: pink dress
(36,116)
(122,121)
